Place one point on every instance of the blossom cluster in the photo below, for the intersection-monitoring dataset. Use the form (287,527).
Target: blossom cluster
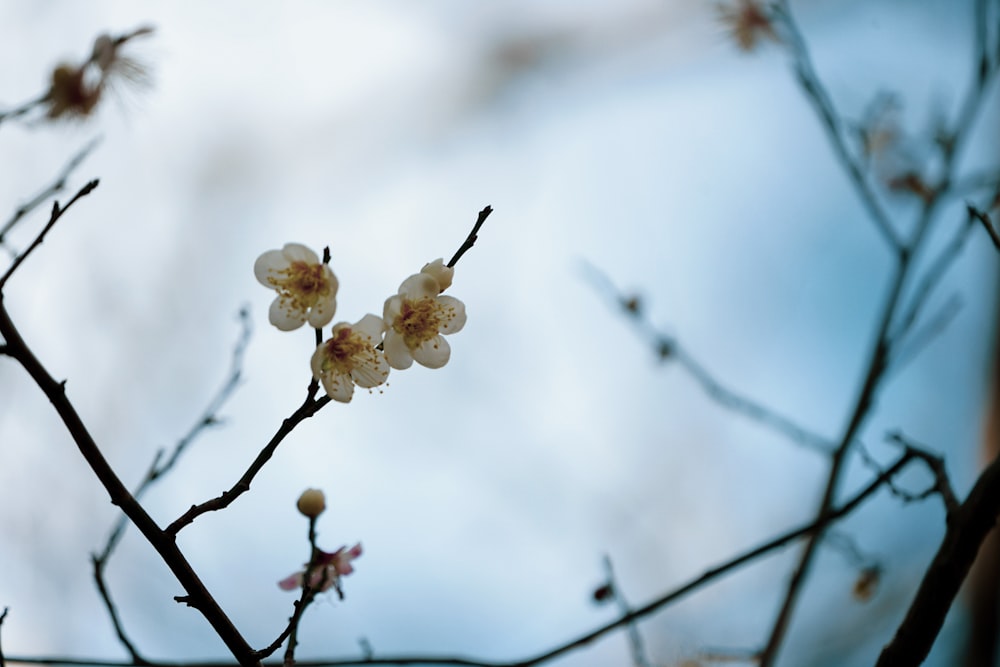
(411,328)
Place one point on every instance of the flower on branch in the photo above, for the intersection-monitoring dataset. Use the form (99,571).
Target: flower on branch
(307,288)
(327,569)
(349,358)
(748,22)
(417,317)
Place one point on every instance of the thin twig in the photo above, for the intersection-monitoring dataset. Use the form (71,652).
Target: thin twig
(816,94)
(310,406)
(156,471)
(931,278)
(810,528)
(23,108)
(56,187)
(635,643)
(57,212)
(968,526)
(984,219)
(667,347)
(3,617)
(198,595)
(880,355)
(470,240)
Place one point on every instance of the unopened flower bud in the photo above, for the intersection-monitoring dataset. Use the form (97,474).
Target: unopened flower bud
(311,503)
(441,273)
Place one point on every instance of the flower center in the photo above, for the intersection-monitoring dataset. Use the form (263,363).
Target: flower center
(344,350)
(304,281)
(419,321)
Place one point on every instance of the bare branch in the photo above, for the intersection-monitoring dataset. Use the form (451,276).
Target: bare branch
(208,418)
(816,93)
(968,526)
(472,237)
(56,187)
(57,213)
(667,347)
(984,219)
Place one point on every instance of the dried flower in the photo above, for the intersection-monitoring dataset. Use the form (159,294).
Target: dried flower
(74,91)
(748,22)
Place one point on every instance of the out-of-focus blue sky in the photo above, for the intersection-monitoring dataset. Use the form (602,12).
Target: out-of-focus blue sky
(628,134)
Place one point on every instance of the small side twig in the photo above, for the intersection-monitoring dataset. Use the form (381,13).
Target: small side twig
(984,219)
(54,188)
(157,470)
(3,617)
(635,643)
(470,240)
(57,212)
(667,347)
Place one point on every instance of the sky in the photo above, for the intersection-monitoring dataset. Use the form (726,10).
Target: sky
(631,136)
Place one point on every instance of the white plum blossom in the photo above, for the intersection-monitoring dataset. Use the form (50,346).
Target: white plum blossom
(307,288)
(327,571)
(349,358)
(417,317)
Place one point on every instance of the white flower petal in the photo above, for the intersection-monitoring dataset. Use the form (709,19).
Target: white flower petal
(283,317)
(457,320)
(372,372)
(322,312)
(393,309)
(270,261)
(296,252)
(396,352)
(433,353)
(371,326)
(418,286)
(339,387)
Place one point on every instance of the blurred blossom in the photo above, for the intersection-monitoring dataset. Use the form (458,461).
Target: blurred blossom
(327,570)
(748,22)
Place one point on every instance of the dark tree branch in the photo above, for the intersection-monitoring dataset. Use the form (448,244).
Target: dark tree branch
(906,252)
(987,223)
(967,527)
(57,212)
(56,187)
(310,406)
(815,526)
(472,237)
(3,617)
(157,470)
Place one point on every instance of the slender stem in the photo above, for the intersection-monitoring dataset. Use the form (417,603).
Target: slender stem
(57,212)
(309,407)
